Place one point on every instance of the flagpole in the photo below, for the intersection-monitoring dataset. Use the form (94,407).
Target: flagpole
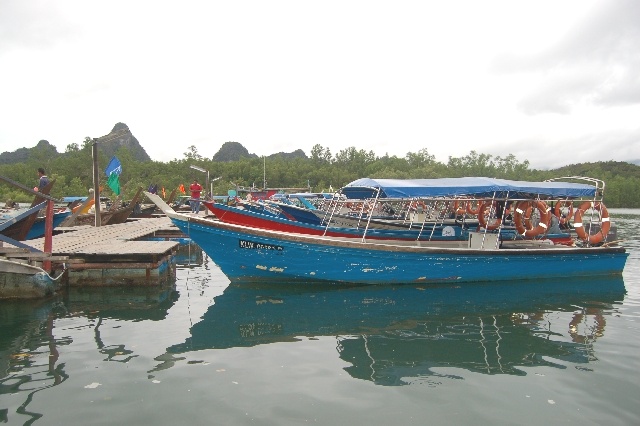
(96,173)
(96,184)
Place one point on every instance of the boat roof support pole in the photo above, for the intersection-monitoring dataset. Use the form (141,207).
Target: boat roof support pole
(375,201)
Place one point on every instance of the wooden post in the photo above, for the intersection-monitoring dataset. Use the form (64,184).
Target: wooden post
(48,234)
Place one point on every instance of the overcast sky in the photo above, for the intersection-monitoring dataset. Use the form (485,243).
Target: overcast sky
(552,82)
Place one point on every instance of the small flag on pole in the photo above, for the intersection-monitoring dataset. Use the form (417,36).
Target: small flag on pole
(113,171)
(114,166)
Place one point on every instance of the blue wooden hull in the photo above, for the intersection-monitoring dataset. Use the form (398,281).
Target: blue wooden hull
(253,254)
(301,215)
(37,229)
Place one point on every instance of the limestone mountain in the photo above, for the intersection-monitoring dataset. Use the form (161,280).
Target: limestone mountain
(123,139)
(120,137)
(298,153)
(233,151)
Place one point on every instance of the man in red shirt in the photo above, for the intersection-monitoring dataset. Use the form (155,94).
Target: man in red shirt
(195,189)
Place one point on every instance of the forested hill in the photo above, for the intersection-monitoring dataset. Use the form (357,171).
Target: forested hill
(321,170)
(43,149)
(602,168)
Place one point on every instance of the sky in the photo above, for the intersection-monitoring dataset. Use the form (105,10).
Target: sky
(551,82)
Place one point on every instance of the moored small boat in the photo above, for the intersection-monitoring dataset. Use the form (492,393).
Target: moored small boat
(24,281)
(250,218)
(116,213)
(247,253)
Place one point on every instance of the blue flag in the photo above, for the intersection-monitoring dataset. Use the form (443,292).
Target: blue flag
(113,167)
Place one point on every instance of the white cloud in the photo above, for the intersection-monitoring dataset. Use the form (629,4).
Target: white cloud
(597,62)
(497,77)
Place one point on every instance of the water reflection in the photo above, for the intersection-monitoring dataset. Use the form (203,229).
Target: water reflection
(30,351)
(398,334)
(188,254)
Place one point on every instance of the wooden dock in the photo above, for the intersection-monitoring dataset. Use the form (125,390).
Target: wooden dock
(108,255)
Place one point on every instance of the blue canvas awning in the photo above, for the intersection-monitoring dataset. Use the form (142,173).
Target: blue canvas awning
(466,186)
(72,199)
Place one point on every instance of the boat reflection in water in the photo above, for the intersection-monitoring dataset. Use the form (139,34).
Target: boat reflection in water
(188,254)
(397,335)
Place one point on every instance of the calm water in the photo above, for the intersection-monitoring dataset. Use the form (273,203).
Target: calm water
(205,352)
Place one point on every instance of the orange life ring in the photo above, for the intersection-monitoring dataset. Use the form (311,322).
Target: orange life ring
(543,225)
(495,222)
(359,207)
(564,219)
(418,203)
(356,207)
(604,228)
(470,208)
(528,223)
(458,209)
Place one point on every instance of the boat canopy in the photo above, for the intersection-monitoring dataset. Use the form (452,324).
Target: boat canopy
(466,186)
(72,199)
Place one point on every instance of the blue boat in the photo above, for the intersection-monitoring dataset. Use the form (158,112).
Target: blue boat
(26,223)
(245,253)
(38,227)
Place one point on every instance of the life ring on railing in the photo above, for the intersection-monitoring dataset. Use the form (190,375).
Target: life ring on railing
(494,223)
(604,228)
(458,209)
(563,218)
(470,208)
(519,220)
(418,203)
(528,219)
(359,207)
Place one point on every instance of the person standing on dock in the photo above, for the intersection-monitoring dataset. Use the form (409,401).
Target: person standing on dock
(43,180)
(195,189)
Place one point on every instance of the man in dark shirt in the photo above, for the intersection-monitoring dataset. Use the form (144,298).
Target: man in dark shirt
(43,180)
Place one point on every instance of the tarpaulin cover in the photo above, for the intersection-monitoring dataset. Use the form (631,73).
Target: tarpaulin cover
(471,186)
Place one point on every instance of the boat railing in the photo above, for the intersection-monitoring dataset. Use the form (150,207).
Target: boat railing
(434,211)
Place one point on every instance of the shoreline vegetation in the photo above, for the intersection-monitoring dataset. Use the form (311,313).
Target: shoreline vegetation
(320,171)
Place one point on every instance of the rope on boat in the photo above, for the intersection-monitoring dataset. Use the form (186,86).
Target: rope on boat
(608,243)
(64,269)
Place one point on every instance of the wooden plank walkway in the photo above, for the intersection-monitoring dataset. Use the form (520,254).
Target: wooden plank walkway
(114,240)
(108,255)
